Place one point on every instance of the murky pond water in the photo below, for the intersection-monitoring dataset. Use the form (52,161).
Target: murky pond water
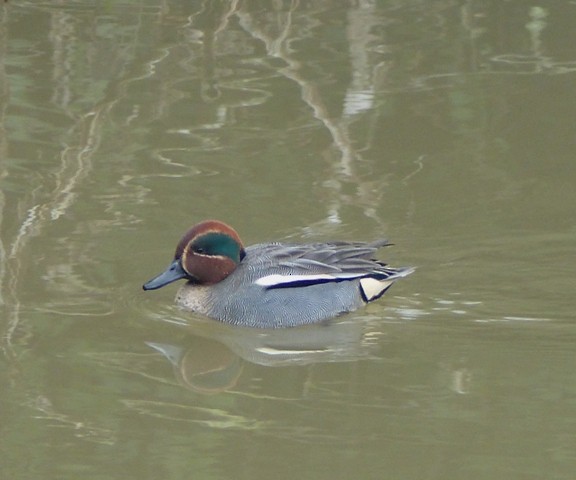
(448,127)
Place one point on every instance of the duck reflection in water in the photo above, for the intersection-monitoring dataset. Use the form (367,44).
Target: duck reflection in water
(211,357)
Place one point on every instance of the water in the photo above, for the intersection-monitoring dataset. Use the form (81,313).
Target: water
(447,128)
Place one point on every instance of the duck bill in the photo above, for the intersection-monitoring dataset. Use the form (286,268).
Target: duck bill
(171,274)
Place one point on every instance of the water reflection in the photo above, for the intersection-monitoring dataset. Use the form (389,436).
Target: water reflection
(202,365)
(331,342)
(209,359)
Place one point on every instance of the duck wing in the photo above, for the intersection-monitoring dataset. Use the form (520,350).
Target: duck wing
(300,265)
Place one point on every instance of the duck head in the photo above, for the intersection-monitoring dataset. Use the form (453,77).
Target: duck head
(206,254)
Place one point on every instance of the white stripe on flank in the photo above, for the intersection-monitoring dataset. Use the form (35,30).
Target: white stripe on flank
(276,279)
(271,280)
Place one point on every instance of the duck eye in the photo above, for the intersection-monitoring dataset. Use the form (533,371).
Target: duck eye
(199,250)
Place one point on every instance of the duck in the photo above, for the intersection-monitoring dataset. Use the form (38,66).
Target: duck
(276,284)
